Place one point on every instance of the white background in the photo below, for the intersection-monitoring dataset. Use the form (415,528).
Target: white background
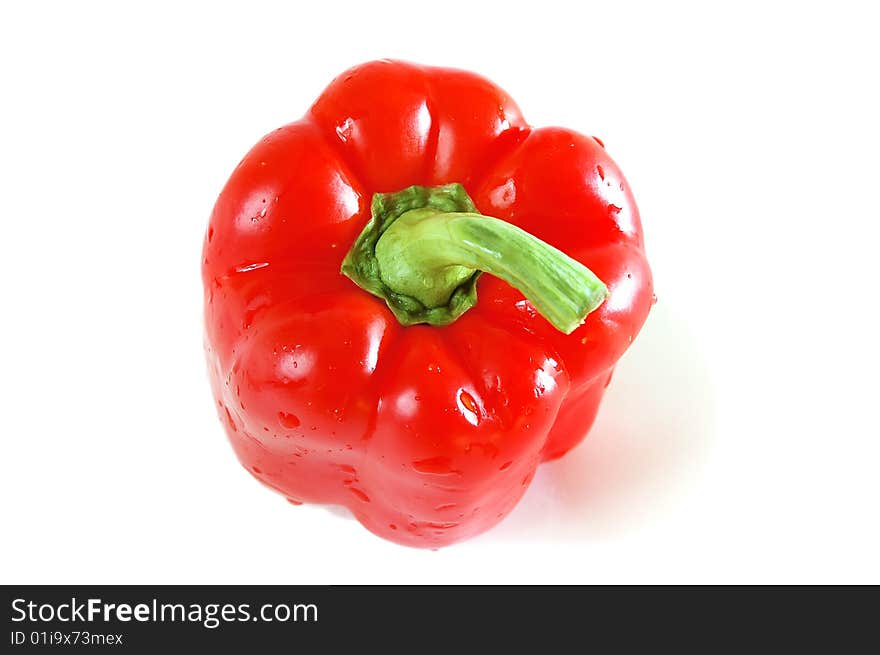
(739,440)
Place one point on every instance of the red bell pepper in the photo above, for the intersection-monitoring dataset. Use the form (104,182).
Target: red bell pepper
(356,354)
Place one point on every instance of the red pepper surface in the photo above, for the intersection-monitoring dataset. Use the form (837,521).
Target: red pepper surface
(428,433)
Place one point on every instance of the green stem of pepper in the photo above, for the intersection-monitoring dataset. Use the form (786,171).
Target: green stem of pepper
(424,261)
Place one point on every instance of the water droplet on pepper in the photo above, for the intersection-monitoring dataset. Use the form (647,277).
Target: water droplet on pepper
(360,494)
(435,465)
(288,420)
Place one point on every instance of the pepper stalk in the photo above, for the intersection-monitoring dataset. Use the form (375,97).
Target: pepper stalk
(425,247)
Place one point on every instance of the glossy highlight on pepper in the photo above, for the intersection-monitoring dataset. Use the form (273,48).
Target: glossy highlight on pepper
(415,389)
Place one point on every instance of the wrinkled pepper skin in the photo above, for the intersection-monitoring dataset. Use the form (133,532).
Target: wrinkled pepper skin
(429,435)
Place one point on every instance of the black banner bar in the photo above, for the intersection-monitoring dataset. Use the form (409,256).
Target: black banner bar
(245,619)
